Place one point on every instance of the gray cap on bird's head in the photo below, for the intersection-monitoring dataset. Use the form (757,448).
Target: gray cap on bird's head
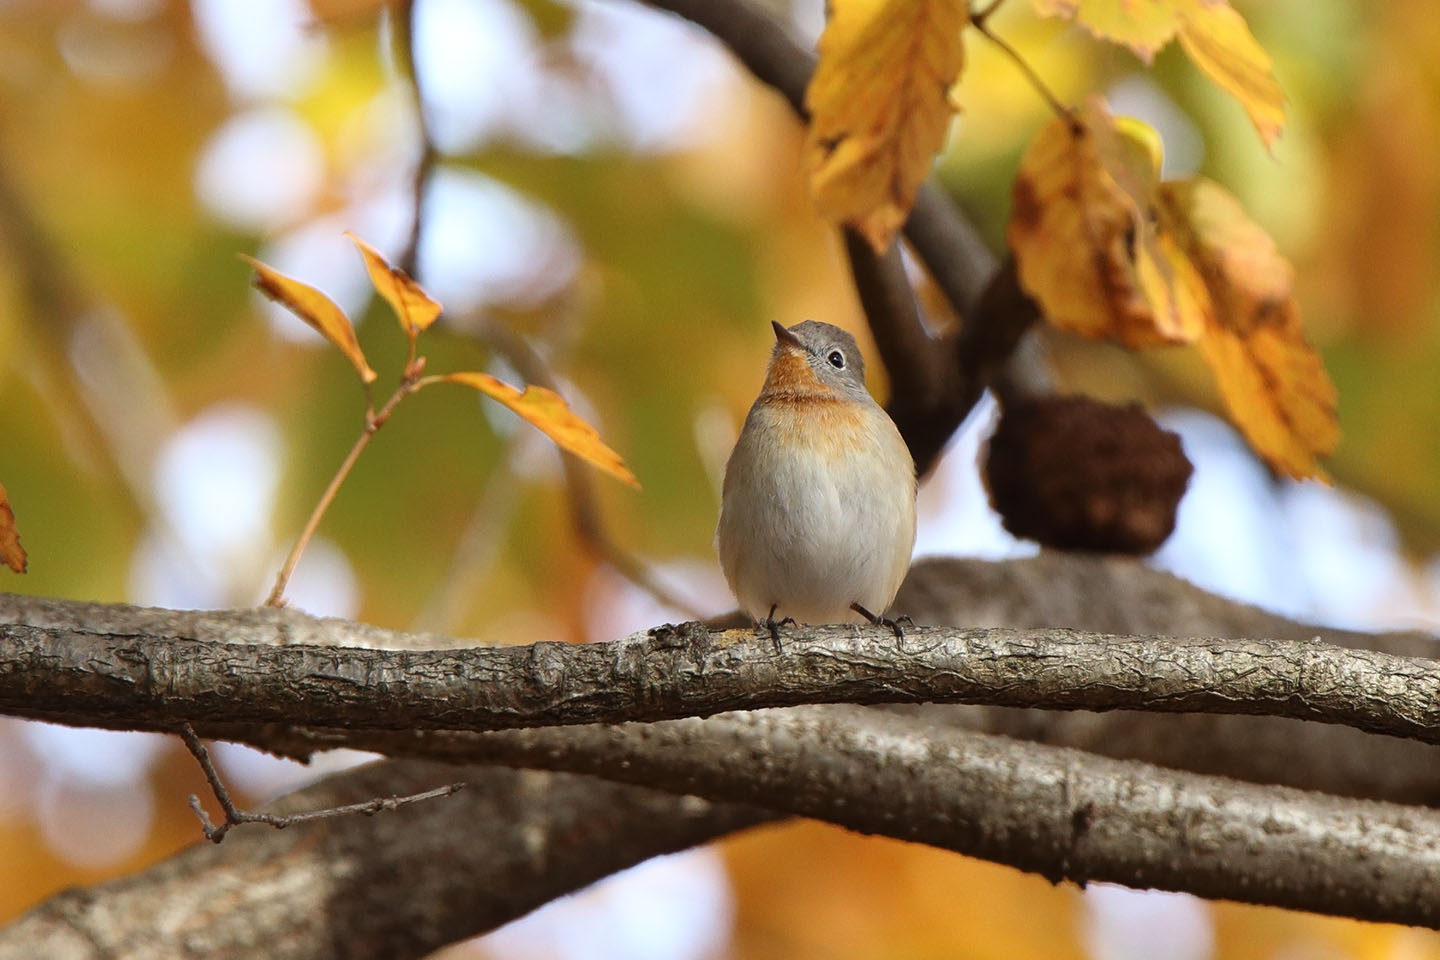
(833,353)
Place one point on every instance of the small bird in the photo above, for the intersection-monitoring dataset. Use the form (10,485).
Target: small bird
(817,512)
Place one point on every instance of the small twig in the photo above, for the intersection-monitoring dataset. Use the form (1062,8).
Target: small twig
(234,816)
(425,165)
(978,17)
(979,24)
(374,420)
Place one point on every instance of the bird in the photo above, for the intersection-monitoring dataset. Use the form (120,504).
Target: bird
(817,508)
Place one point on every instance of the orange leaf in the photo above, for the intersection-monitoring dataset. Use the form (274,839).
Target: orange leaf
(1272,380)
(314,308)
(1216,38)
(1084,239)
(548,411)
(411,304)
(879,107)
(11,553)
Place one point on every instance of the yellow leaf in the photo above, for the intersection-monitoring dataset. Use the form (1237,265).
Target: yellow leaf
(411,304)
(314,308)
(548,411)
(1145,26)
(1083,233)
(11,553)
(1212,33)
(1216,38)
(1272,380)
(879,108)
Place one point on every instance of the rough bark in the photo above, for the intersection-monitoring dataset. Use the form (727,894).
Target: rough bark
(1094,593)
(153,681)
(1123,595)
(389,887)
(1062,813)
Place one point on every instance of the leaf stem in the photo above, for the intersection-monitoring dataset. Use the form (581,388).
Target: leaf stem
(374,420)
(978,17)
(978,22)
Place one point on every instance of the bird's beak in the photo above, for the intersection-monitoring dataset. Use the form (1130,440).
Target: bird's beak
(784,336)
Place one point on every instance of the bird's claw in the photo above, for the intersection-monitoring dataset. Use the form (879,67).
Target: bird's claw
(773,625)
(885,621)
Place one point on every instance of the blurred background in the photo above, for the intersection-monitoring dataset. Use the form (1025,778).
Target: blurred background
(610,186)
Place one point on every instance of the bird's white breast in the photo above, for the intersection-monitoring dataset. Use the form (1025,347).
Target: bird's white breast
(818,512)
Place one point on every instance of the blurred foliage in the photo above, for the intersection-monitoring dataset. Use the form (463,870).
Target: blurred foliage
(124,314)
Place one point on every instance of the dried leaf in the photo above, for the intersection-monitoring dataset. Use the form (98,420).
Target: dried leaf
(1272,380)
(1145,26)
(879,107)
(1084,235)
(549,412)
(411,304)
(1212,33)
(314,308)
(1216,38)
(11,553)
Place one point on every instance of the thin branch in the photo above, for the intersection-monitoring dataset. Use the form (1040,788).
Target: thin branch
(375,888)
(987,342)
(234,816)
(404,19)
(374,420)
(903,342)
(158,682)
(980,16)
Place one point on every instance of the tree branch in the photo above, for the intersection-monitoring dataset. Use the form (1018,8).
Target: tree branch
(390,887)
(1062,813)
(1044,589)
(162,681)
(234,816)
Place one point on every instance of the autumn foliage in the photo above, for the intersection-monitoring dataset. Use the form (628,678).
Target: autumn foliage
(1103,246)
(11,553)
(415,310)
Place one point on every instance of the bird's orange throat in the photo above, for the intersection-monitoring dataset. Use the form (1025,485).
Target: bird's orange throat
(791,379)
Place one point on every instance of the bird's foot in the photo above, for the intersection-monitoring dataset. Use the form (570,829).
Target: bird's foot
(773,626)
(885,621)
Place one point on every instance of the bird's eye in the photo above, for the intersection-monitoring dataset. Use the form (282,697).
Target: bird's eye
(837,359)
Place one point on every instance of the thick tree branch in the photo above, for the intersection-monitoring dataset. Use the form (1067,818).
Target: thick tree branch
(1062,813)
(1103,594)
(161,682)
(394,886)
(1098,593)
